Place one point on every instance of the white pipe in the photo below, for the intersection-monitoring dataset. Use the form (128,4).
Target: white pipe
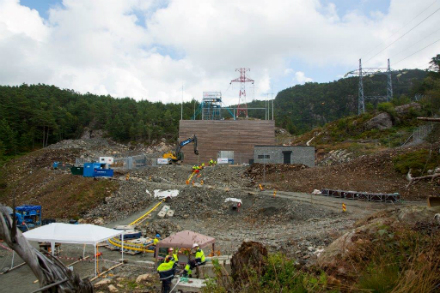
(13,254)
(52,246)
(122,246)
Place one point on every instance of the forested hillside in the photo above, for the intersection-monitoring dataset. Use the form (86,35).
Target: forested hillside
(32,116)
(302,107)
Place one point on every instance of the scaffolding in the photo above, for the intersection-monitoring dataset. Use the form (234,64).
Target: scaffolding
(211,106)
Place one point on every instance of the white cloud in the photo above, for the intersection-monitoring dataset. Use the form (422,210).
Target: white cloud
(102,47)
(301,78)
(288,71)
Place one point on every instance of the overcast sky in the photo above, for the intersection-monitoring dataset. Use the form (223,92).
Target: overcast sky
(148,49)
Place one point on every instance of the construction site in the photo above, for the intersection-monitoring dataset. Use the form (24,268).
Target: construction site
(225,184)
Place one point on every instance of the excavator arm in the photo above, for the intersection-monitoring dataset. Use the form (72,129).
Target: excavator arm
(178,154)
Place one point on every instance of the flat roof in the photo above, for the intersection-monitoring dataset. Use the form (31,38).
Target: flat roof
(283,146)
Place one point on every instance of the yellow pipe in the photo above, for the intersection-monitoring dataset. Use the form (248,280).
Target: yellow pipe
(146,214)
(129,246)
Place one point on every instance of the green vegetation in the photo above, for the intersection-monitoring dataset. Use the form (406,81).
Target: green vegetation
(280,275)
(303,107)
(402,259)
(418,161)
(33,116)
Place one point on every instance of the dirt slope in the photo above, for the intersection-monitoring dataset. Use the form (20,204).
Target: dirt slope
(371,173)
(62,195)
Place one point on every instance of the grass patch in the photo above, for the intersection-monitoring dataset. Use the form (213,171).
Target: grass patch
(418,161)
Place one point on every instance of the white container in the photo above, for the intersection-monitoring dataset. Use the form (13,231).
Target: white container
(222,161)
(106,160)
(162,161)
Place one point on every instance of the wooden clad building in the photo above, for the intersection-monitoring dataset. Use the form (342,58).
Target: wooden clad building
(213,136)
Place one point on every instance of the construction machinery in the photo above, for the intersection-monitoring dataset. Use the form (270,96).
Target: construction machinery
(177,156)
(27,216)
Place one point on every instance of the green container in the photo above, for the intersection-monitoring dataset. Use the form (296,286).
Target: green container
(77,170)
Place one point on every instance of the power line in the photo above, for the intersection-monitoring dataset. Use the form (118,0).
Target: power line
(416,43)
(403,35)
(417,52)
(404,25)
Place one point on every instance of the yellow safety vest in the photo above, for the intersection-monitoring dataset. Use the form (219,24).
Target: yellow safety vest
(200,256)
(155,241)
(166,270)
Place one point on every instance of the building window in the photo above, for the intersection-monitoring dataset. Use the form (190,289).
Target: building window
(264,156)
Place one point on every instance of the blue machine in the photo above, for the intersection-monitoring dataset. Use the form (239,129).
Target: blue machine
(28,216)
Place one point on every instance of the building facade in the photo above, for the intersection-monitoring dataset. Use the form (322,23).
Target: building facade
(271,154)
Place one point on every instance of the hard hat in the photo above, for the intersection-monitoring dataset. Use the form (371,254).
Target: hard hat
(157,235)
(170,249)
(195,245)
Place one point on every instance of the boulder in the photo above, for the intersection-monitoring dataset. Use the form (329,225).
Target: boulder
(406,108)
(98,221)
(144,278)
(381,122)
(113,289)
(102,283)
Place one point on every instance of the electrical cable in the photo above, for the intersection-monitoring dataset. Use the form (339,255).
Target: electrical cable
(403,35)
(416,52)
(416,43)
(406,24)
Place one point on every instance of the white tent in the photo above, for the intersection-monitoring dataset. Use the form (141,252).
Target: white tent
(68,233)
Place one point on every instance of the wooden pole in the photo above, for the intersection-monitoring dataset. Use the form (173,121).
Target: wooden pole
(113,267)
(11,269)
(429,119)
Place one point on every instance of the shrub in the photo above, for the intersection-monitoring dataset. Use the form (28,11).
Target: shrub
(418,161)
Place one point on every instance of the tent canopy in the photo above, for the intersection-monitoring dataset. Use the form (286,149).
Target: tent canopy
(186,239)
(68,233)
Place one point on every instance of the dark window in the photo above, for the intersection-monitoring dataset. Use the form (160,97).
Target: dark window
(264,156)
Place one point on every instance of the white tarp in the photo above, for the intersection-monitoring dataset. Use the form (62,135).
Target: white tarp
(233,200)
(69,233)
(76,234)
(166,193)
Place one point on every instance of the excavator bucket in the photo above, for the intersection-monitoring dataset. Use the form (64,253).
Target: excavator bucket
(433,201)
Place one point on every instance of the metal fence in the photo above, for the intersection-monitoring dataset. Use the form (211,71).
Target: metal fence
(126,163)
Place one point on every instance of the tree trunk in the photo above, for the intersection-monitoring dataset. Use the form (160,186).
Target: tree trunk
(47,269)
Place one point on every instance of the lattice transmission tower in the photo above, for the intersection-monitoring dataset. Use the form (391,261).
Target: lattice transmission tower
(362,72)
(242,106)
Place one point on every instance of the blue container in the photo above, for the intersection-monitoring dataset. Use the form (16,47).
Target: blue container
(55,165)
(89,169)
(103,173)
(230,161)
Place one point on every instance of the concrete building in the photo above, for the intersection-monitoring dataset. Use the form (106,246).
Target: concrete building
(271,154)
(237,136)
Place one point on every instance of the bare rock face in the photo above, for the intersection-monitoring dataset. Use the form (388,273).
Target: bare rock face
(113,289)
(381,122)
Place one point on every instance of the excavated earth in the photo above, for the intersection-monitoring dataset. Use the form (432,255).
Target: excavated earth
(299,228)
